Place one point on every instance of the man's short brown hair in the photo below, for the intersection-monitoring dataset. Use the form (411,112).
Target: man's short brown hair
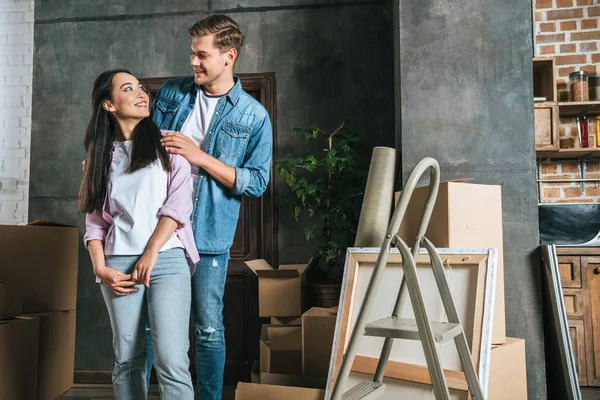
(227,32)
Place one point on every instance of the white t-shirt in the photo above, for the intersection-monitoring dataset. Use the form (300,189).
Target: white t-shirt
(134,200)
(196,124)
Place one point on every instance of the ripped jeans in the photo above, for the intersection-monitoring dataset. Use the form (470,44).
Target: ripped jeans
(208,287)
(166,303)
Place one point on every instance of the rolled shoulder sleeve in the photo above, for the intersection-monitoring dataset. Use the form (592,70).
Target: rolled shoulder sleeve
(252,178)
(178,204)
(96,227)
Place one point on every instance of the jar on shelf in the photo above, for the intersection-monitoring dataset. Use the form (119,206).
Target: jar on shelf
(578,86)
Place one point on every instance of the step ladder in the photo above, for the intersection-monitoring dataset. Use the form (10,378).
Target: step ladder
(420,328)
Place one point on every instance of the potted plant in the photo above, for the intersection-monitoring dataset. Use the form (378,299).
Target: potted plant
(327,187)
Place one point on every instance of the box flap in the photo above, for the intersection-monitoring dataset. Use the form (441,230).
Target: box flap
(273,273)
(254,391)
(283,337)
(39,222)
(300,269)
(259,265)
(321,312)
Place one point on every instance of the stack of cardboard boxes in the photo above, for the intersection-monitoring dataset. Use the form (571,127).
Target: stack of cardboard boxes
(469,215)
(295,348)
(295,352)
(38,270)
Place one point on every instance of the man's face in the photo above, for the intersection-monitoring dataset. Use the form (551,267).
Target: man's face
(208,62)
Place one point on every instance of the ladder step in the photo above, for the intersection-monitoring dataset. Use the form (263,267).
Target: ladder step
(406,328)
(365,391)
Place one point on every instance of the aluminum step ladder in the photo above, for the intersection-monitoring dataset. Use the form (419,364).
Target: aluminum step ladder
(420,328)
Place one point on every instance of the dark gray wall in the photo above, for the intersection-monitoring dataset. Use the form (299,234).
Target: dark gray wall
(333,62)
(465,98)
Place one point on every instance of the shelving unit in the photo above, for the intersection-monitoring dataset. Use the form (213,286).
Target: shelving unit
(569,153)
(576,108)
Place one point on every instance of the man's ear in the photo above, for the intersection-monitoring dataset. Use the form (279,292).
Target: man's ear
(108,106)
(231,56)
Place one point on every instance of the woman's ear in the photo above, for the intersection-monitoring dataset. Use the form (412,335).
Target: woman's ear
(108,106)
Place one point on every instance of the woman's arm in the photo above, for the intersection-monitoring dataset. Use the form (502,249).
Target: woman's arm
(174,213)
(143,268)
(120,283)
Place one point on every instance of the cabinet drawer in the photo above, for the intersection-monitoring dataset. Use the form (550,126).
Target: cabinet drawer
(570,271)
(573,299)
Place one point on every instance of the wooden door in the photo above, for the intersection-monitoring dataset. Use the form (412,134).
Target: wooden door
(255,237)
(590,267)
(577,333)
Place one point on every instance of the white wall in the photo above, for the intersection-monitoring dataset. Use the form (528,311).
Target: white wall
(16,64)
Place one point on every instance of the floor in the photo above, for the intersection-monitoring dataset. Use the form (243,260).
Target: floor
(105,392)
(590,393)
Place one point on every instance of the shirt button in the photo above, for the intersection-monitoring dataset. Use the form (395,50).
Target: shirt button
(197,199)
(191,221)
(217,113)
(201,176)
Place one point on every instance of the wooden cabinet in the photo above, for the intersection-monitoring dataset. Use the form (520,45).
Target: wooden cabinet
(545,111)
(580,277)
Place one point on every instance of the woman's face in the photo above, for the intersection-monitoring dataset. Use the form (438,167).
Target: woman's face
(129,99)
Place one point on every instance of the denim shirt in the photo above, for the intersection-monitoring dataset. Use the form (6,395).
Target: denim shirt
(239,135)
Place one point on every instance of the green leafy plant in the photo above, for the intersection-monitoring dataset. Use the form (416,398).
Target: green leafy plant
(327,187)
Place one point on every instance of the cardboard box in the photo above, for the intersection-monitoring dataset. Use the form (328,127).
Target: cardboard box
(508,371)
(465,215)
(266,378)
(11,300)
(318,329)
(286,320)
(280,291)
(56,352)
(42,257)
(281,349)
(19,340)
(253,391)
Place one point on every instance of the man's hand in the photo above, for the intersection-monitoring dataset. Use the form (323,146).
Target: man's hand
(120,283)
(144,267)
(178,143)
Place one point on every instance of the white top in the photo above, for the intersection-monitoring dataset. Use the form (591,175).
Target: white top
(134,200)
(196,124)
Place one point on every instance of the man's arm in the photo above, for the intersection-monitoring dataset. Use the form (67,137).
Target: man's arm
(250,179)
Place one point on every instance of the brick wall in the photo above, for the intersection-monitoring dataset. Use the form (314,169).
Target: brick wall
(16,63)
(570,31)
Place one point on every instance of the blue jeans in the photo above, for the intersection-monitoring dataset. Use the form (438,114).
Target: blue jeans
(208,287)
(166,306)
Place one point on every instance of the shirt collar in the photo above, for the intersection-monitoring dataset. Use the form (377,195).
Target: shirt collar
(234,93)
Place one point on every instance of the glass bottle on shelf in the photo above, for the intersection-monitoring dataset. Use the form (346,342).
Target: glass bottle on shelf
(578,86)
(583,126)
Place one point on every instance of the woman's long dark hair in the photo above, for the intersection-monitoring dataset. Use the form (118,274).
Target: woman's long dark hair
(99,137)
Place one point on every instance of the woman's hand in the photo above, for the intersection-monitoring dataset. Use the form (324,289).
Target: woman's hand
(144,267)
(118,282)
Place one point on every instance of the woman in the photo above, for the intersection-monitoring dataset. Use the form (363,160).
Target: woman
(138,202)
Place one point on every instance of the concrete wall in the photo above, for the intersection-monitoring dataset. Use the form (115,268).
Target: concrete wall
(333,62)
(465,98)
(16,64)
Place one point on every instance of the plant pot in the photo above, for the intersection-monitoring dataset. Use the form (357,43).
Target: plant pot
(325,295)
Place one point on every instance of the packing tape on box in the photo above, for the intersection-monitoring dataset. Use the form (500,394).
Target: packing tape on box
(378,199)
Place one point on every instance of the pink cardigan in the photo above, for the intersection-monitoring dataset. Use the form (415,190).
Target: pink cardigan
(178,206)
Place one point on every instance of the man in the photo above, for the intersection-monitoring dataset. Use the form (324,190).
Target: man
(225,134)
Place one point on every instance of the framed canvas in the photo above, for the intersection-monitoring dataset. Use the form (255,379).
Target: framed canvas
(471,278)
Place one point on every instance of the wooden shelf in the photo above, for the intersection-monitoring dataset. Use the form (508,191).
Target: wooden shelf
(576,108)
(569,153)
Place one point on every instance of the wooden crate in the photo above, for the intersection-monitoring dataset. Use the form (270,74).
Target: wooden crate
(547,125)
(544,78)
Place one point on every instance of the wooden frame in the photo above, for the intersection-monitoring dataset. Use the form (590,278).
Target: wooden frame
(559,322)
(480,266)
